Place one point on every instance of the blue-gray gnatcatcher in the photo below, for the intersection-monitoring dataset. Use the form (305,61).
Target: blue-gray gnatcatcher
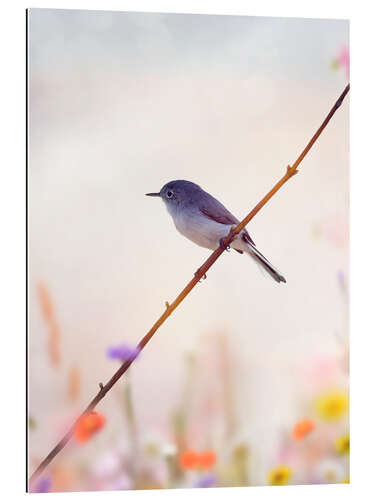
(205,221)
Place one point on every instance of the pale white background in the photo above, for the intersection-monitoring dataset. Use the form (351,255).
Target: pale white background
(361,172)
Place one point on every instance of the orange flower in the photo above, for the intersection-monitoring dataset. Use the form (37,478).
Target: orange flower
(73,383)
(46,303)
(189,459)
(88,425)
(48,312)
(303,428)
(206,459)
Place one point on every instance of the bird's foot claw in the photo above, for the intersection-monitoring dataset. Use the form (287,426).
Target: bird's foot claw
(223,246)
(196,275)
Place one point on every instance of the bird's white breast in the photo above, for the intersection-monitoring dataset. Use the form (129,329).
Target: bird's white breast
(200,229)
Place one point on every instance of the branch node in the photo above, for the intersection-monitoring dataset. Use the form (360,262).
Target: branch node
(291,171)
(199,278)
(101,386)
(167,306)
(339,101)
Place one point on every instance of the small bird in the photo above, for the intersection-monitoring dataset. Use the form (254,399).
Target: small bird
(204,220)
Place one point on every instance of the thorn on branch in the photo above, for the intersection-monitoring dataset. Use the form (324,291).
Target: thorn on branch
(199,278)
(167,306)
(101,386)
(291,171)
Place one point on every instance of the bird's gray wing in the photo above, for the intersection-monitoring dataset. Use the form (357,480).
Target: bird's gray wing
(214,210)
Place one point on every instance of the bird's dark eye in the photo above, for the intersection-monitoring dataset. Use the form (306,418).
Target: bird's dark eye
(169,194)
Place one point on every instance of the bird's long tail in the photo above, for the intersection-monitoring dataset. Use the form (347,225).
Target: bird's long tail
(264,263)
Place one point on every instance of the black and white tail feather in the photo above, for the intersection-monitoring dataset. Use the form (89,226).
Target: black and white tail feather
(260,259)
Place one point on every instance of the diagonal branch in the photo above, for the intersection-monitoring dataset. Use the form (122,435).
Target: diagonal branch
(291,170)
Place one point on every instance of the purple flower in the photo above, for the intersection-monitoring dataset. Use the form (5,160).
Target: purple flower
(205,481)
(123,352)
(43,485)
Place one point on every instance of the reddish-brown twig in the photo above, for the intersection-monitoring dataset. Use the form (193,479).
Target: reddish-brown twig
(291,170)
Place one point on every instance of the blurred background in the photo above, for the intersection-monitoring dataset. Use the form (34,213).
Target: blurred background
(247,382)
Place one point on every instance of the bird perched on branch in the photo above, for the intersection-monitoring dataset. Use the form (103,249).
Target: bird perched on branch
(204,220)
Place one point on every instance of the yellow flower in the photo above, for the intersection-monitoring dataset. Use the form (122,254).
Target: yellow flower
(346,480)
(279,475)
(332,405)
(342,444)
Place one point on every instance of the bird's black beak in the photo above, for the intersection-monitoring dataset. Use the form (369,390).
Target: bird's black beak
(153,194)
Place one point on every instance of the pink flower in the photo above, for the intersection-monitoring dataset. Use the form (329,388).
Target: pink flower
(343,60)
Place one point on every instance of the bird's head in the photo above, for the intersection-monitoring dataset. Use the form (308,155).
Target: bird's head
(176,193)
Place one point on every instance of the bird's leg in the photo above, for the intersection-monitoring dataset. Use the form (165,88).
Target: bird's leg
(223,246)
(196,275)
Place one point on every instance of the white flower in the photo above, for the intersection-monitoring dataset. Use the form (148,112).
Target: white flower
(330,471)
(168,450)
(106,464)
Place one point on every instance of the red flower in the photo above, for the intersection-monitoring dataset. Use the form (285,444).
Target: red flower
(88,425)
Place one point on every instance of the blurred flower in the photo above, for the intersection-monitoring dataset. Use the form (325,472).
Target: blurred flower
(332,405)
(333,227)
(342,60)
(107,464)
(240,453)
(123,352)
(206,459)
(279,475)
(46,302)
(111,470)
(151,448)
(73,383)
(240,461)
(88,425)
(154,445)
(32,423)
(330,471)
(120,483)
(64,476)
(205,481)
(48,312)
(342,444)
(342,281)
(43,485)
(189,459)
(303,428)
(168,450)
